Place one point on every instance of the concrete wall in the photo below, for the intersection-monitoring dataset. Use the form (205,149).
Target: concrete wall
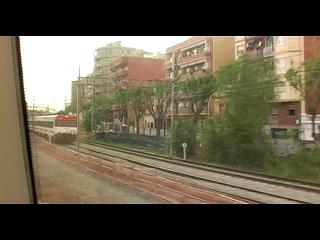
(223,51)
(291,55)
(13,170)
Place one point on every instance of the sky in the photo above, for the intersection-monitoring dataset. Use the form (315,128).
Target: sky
(50,64)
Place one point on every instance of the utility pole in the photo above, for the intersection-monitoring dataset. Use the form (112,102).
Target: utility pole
(172,100)
(92,102)
(78,127)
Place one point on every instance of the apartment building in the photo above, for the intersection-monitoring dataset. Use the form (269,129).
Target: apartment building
(104,56)
(85,91)
(291,111)
(195,57)
(133,72)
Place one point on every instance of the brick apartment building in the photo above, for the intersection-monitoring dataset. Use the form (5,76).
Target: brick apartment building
(291,111)
(198,56)
(133,72)
(103,57)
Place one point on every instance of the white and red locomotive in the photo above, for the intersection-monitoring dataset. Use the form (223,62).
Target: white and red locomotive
(57,128)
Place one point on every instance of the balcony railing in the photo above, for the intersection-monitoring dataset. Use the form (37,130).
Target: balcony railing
(121,73)
(255,52)
(167,65)
(123,61)
(191,58)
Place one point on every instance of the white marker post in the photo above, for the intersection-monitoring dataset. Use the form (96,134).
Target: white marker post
(184,146)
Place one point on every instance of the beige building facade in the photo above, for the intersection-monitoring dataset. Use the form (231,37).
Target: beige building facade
(286,52)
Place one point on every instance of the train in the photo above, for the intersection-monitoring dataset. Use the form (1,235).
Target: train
(55,128)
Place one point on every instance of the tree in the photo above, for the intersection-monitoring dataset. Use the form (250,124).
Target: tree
(184,132)
(69,108)
(86,111)
(198,91)
(137,100)
(236,136)
(98,108)
(121,100)
(158,102)
(306,79)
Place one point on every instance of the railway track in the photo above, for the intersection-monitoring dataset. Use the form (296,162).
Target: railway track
(167,189)
(304,192)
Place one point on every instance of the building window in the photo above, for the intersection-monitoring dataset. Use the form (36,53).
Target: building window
(240,50)
(281,63)
(250,44)
(292,112)
(281,40)
(269,42)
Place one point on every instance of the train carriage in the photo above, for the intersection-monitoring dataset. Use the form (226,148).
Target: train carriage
(56,128)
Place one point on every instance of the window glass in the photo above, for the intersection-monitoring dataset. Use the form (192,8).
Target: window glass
(158,120)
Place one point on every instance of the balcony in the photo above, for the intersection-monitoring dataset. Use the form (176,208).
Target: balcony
(122,73)
(123,61)
(268,52)
(192,58)
(167,65)
(255,53)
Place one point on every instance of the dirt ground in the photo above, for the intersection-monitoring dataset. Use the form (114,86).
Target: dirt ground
(62,182)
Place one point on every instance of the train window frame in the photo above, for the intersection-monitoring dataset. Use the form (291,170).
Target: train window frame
(22,190)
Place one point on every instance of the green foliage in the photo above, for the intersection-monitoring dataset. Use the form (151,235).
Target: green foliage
(236,136)
(121,99)
(158,102)
(69,108)
(303,166)
(184,132)
(61,112)
(137,100)
(99,107)
(197,91)
(290,134)
(306,79)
